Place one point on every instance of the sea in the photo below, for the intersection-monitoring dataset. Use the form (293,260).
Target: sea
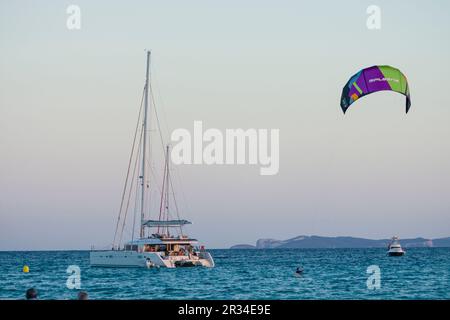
(423,273)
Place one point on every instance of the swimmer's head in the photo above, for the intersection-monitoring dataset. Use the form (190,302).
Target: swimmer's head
(82,295)
(31,294)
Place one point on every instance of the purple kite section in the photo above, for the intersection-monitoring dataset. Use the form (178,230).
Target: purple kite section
(375,73)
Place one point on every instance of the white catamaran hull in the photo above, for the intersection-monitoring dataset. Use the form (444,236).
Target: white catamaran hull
(124,258)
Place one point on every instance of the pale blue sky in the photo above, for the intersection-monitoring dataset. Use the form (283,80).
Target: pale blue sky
(69,99)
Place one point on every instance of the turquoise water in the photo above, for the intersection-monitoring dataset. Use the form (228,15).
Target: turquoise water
(239,274)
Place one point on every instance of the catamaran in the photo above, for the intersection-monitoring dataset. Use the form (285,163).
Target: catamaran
(157,245)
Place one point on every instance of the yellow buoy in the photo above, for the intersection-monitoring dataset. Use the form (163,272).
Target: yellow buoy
(26,269)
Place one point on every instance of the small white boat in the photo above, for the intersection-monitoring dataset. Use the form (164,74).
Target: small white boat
(395,249)
(156,246)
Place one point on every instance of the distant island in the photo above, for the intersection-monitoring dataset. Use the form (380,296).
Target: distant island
(340,242)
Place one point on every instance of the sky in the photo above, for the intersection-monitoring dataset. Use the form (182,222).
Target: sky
(69,101)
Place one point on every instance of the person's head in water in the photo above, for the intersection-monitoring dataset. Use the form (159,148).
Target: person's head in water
(82,295)
(31,294)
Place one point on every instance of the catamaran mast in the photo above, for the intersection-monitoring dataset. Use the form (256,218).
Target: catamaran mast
(167,188)
(144,145)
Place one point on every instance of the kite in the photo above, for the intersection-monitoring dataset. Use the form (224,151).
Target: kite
(374,79)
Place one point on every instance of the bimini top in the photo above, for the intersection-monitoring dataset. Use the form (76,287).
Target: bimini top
(154,240)
(167,223)
(145,241)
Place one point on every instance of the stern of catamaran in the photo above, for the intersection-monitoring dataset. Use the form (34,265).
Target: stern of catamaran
(207,259)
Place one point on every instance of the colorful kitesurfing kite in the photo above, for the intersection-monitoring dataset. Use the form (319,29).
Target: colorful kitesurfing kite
(373,79)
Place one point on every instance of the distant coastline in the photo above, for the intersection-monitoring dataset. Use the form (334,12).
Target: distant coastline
(340,242)
(305,242)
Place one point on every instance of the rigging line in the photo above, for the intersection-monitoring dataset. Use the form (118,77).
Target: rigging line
(131,190)
(149,152)
(136,198)
(167,189)
(135,178)
(175,201)
(136,206)
(162,192)
(157,119)
(167,195)
(167,128)
(126,210)
(174,198)
(155,76)
(159,131)
(128,170)
(162,144)
(135,169)
(183,194)
(155,176)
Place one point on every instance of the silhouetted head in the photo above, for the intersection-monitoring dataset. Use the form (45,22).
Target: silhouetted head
(31,294)
(82,295)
